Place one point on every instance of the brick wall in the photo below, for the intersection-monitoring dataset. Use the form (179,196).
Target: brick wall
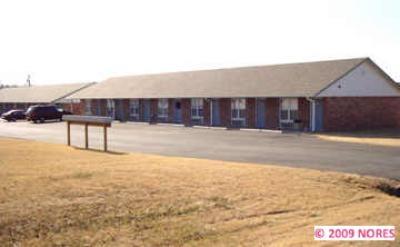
(98,107)
(251,112)
(272,115)
(125,111)
(66,107)
(78,108)
(22,106)
(304,113)
(361,113)
(75,108)
(225,111)
(171,110)
(103,107)
(93,107)
(9,106)
(153,110)
(186,115)
(206,112)
(3,108)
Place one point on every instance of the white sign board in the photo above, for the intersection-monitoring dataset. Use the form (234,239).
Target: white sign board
(87,119)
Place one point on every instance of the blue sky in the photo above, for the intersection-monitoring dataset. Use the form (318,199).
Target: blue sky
(75,41)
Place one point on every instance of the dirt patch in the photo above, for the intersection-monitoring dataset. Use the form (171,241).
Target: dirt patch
(389,142)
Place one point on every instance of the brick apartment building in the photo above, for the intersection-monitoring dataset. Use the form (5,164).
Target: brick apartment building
(338,95)
(23,97)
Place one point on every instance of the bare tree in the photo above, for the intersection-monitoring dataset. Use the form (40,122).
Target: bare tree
(2,85)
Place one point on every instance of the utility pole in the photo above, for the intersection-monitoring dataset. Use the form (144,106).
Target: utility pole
(28,80)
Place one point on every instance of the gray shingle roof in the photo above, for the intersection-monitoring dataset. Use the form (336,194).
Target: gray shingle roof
(40,94)
(286,80)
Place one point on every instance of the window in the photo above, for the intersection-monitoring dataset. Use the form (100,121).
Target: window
(289,112)
(197,109)
(88,107)
(162,109)
(134,109)
(238,111)
(110,108)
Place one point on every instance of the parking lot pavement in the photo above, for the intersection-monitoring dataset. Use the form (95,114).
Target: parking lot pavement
(294,150)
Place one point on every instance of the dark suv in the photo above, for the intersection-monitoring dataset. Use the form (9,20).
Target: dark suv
(43,112)
(13,115)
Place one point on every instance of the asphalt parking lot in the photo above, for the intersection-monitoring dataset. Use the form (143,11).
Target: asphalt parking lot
(294,150)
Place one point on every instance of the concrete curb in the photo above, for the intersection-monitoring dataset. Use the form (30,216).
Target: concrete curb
(263,130)
(132,123)
(199,127)
(240,129)
(208,127)
(169,124)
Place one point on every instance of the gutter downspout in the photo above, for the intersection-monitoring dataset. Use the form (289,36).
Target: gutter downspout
(312,114)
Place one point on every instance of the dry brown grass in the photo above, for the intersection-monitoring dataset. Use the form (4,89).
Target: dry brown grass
(52,195)
(391,142)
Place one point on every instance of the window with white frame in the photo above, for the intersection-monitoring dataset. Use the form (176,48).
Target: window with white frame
(134,109)
(289,110)
(88,107)
(238,111)
(162,111)
(197,109)
(110,108)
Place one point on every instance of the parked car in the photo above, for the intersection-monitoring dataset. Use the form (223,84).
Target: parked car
(41,113)
(13,115)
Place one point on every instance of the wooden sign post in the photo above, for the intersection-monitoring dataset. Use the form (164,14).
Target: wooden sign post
(87,121)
